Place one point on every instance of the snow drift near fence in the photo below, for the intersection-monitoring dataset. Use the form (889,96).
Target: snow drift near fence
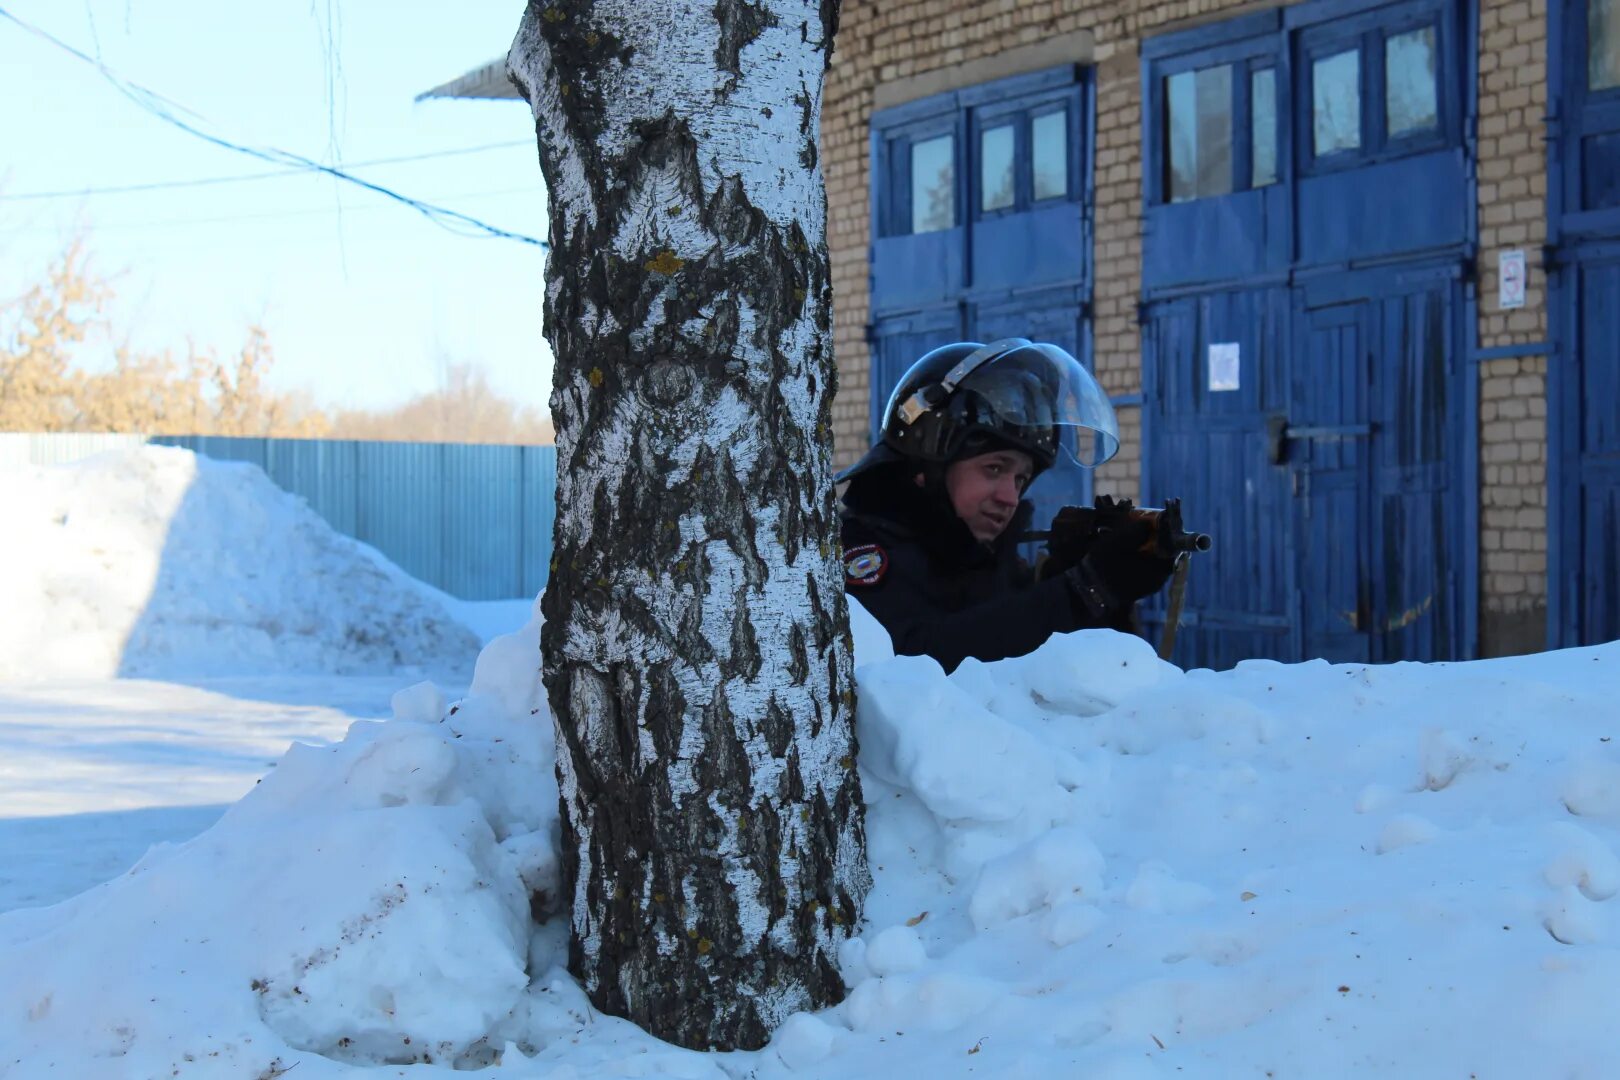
(158,563)
(1087,863)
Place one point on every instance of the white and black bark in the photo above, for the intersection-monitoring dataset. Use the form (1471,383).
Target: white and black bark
(696,646)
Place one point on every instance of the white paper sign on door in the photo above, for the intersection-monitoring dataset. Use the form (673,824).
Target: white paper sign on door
(1225,365)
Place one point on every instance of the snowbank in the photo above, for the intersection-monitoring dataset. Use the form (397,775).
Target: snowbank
(1087,862)
(367,902)
(156,562)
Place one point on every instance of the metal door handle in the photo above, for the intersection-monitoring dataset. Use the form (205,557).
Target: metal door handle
(1329,433)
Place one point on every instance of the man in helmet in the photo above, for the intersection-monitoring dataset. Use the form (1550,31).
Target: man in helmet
(932,512)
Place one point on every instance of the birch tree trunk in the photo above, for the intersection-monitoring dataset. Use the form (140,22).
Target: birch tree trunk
(696,647)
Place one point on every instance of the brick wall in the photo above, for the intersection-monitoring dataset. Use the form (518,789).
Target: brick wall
(846,105)
(1513,398)
(1122,477)
(1117,352)
(1513,505)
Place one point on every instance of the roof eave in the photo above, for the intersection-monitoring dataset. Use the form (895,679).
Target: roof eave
(489,82)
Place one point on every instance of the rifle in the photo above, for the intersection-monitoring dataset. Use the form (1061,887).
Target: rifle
(1075,527)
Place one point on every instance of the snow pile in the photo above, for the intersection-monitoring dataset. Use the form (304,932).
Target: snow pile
(1087,862)
(159,563)
(368,901)
(1279,870)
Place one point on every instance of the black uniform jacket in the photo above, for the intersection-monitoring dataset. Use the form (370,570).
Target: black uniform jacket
(939,592)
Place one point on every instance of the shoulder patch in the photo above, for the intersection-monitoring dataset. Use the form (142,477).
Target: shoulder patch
(865,565)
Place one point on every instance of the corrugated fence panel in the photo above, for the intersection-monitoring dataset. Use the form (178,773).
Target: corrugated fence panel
(325,472)
(482,513)
(473,520)
(539,514)
(221,447)
(400,507)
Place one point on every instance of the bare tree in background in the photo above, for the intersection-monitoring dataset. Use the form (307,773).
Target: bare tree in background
(696,646)
(466,407)
(43,389)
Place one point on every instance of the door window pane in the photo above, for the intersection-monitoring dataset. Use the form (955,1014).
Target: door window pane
(1049,139)
(1215,131)
(996,168)
(1181,131)
(1263,126)
(1602,44)
(1199,131)
(1412,102)
(933,184)
(1336,102)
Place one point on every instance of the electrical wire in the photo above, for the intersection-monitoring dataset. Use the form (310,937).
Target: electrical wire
(260,217)
(164,109)
(241,178)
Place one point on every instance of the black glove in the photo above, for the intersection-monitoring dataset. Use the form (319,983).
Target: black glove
(1071,535)
(1126,573)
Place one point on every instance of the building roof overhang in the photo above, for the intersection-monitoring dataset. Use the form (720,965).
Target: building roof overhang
(488,82)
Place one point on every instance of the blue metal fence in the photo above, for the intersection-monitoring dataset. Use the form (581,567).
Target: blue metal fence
(474,521)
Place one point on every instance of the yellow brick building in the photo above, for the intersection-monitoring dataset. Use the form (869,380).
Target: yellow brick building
(901,52)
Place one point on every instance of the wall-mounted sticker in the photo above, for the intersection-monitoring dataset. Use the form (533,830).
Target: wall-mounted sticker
(1511,280)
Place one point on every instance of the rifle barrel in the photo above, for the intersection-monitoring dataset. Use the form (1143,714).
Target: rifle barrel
(1186,542)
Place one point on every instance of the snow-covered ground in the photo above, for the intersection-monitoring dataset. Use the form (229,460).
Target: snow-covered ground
(95,771)
(1087,863)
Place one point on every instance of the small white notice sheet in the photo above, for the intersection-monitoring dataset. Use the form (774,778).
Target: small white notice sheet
(1225,365)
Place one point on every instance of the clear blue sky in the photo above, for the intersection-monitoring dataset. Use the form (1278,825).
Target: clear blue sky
(364,299)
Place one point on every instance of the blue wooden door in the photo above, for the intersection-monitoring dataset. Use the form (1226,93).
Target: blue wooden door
(1369,441)
(1323,466)
(1598,450)
(1584,379)
(1416,536)
(1325,443)
(1208,444)
(1055,315)
(1307,218)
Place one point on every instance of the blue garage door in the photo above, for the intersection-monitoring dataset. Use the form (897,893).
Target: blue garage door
(1307,228)
(1584,228)
(1213,447)
(1589,434)
(1367,446)
(981,220)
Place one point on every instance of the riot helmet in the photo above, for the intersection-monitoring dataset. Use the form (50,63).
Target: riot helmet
(966,398)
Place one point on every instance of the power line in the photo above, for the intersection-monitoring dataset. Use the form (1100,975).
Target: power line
(161,107)
(274,174)
(265,216)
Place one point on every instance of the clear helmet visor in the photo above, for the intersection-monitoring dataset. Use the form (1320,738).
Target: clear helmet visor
(1039,395)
